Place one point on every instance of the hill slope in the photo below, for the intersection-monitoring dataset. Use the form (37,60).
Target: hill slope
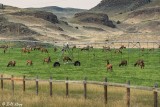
(119,6)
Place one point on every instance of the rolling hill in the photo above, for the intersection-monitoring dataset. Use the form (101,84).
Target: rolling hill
(119,6)
(109,20)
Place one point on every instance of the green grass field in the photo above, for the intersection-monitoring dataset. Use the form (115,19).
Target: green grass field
(93,65)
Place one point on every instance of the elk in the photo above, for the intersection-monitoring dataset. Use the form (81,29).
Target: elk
(151,49)
(85,48)
(122,47)
(55,49)
(118,51)
(66,58)
(47,60)
(106,48)
(25,50)
(74,47)
(44,50)
(140,63)
(29,62)
(109,66)
(142,49)
(123,63)
(11,63)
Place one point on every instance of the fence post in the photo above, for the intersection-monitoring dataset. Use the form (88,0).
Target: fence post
(50,83)
(128,94)
(2,81)
(12,81)
(155,95)
(67,87)
(37,85)
(105,91)
(24,83)
(85,87)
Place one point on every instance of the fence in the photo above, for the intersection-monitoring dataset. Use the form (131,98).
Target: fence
(105,84)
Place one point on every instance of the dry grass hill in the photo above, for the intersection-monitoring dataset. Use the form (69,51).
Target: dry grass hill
(109,20)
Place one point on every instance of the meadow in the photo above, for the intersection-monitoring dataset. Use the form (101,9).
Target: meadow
(93,65)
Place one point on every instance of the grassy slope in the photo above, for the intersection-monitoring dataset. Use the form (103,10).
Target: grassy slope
(92,67)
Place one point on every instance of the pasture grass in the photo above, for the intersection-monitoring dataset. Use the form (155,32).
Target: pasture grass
(95,97)
(93,65)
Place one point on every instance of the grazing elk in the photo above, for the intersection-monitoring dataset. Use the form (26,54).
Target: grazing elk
(85,48)
(25,50)
(3,46)
(122,47)
(123,63)
(55,49)
(37,48)
(44,50)
(140,63)
(151,49)
(74,47)
(29,62)
(109,66)
(47,60)
(66,58)
(118,51)
(106,48)
(11,63)
(142,49)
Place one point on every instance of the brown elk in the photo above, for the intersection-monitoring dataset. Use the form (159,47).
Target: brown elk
(118,51)
(151,49)
(66,58)
(74,47)
(11,63)
(109,66)
(25,50)
(85,48)
(106,48)
(122,47)
(37,48)
(47,60)
(44,50)
(29,62)
(142,49)
(123,63)
(3,46)
(140,63)
(55,49)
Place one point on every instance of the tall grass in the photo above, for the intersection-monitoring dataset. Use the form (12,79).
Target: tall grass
(95,98)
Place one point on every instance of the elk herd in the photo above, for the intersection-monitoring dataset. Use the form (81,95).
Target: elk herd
(109,66)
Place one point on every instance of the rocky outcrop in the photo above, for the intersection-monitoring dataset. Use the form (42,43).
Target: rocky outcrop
(97,18)
(39,14)
(10,28)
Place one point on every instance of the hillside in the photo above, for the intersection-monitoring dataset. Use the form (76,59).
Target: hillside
(119,6)
(96,18)
(76,25)
(59,11)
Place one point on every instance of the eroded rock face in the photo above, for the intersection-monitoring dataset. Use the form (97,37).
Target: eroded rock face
(11,28)
(39,14)
(46,16)
(97,18)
